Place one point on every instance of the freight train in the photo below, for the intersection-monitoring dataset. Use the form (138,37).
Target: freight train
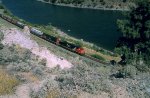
(55,40)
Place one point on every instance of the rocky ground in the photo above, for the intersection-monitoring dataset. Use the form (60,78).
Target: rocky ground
(47,71)
(13,36)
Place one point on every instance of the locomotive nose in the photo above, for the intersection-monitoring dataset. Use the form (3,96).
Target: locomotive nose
(80,51)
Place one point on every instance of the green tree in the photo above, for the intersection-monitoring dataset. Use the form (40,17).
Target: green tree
(135,43)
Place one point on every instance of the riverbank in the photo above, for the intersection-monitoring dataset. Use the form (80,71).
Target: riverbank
(87,79)
(95,26)
(113,8)
(91,49)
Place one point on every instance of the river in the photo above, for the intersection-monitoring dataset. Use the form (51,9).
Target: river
(95,26)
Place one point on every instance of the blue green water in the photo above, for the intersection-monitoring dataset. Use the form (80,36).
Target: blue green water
(96,26)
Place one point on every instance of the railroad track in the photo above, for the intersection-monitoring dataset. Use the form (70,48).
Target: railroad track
(14,22)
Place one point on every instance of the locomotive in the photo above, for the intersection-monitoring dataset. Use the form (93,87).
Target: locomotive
(55,40)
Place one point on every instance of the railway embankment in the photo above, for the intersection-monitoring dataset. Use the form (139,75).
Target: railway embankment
(85,79)
(90,49)
(22,39)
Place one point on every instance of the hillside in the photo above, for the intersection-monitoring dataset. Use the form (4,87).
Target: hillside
(26,74)
(95,4)
(31,67)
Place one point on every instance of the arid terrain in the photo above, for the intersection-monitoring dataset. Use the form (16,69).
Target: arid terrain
(34,68)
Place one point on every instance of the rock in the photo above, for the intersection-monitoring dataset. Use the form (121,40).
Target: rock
(26,30)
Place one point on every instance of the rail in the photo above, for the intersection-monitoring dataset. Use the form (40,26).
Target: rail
(86,56)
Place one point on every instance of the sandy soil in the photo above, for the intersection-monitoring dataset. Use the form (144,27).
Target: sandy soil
(14,36)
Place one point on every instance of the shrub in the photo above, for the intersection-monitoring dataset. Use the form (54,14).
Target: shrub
(48,85)
(55,70)
(7,83)
(1,36)
(142,68)
(38,71)
(66,82)
(84,78)
(53,94)
(6,56)
(13,54)
(104,70)
(1,46)
(130,71)
(23,67)
(27,54)
(43,62)
(127,71)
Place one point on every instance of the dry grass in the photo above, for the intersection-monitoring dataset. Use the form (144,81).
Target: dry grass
(88,95)
(29,76)
(7,83)
(56,94)
(53,94)
(106,57)
(6,24)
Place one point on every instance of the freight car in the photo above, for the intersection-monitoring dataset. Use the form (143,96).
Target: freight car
(55,40)
(11,20)
(52,39)
(19,24)
(36,32)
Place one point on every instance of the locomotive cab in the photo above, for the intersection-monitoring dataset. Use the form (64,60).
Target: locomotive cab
(80,50)
(58,41)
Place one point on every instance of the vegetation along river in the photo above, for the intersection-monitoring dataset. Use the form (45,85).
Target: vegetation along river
(96,26)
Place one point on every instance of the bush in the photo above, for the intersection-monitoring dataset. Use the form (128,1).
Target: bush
(7,83)
(1,36)
(84,78)
(22,67)
(38,71)
(27,54)
(7,56)
(130,71)
(142,68)
(66,82)
(53,94)
(43,62)
(13,54)
(48,85)
(1,46)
